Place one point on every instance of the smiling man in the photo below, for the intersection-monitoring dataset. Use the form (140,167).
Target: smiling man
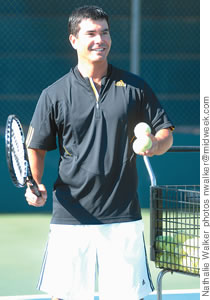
(91,39)
(92,42)
(96,222)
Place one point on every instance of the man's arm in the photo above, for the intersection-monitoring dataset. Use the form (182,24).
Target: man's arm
(36,159)
(161,142)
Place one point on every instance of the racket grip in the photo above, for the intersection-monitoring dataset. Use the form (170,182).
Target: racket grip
(34,188)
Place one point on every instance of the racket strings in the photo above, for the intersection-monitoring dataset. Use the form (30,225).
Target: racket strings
(18,153)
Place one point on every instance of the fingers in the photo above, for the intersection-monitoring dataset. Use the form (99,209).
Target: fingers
(152,151)
(33,200)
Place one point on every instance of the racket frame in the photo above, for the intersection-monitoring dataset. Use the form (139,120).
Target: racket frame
(27,174)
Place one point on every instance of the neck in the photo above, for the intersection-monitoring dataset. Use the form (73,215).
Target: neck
(95,71)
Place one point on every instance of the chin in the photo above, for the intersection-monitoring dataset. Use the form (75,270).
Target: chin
(99,58)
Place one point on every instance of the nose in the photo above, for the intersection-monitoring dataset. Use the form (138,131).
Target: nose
(98,38)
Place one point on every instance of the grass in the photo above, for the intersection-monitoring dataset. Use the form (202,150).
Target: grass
(22,240)
(22,243)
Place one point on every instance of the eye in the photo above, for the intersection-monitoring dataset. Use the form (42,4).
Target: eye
(90,34)
(105,32)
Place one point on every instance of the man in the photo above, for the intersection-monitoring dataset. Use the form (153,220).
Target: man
(96,221)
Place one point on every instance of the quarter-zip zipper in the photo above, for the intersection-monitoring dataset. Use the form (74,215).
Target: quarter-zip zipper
(97,97)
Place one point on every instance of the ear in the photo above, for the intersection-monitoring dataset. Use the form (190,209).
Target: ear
(73,41)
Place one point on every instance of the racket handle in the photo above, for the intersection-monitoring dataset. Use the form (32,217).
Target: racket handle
(34,188)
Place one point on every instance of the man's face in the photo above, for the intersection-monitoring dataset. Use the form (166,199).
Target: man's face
(93,41)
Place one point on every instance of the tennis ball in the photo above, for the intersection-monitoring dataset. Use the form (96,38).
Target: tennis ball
(180,238)
(142,129)
(183,261)
(173,261)
(189,264)
(169,261)
(162,263)
(196,265)
(165,243)
(159,242)
(170,246)
(180,250)
(142,144)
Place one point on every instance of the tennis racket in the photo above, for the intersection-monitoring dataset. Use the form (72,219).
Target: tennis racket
(17,156)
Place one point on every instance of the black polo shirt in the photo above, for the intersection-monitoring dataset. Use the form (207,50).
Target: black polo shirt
(97,176)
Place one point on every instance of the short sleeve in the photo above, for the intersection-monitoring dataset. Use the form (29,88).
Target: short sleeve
(152,112)
(42,130)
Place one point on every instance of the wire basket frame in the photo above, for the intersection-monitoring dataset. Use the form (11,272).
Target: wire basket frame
(175,228)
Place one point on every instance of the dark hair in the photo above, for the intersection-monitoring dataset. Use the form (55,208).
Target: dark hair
(85,12)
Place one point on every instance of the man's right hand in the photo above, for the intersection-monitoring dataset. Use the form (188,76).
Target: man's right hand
(33,200)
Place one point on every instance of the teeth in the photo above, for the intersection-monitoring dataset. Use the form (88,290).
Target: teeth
(99,50)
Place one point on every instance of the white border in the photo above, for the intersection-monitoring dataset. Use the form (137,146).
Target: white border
(204,92)
(40,296)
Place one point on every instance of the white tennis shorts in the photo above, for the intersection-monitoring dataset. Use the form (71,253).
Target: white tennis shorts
(115,252)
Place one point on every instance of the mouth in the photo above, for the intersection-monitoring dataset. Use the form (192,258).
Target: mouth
(99,50)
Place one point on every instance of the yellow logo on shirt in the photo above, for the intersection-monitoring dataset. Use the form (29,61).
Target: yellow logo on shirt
(120,83)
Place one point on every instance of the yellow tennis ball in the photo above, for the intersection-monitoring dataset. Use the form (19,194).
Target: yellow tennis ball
(189,264)
(142,129)
(159,242)
(180,250)
(164,243)
(173,261)
(142,144)
(180,238)
(163,259)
